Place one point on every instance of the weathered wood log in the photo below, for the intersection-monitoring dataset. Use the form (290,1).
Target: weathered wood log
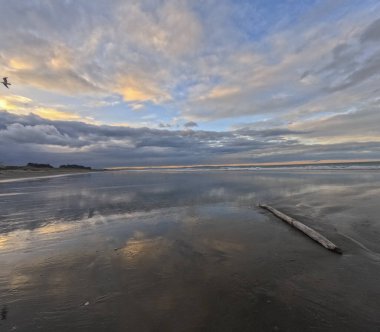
(304,229)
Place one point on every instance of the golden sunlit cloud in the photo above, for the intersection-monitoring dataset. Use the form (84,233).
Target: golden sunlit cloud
(53,114)
(22,106)
(20,64)
(133,94)
(220,92)
(340,139)
(14,103)
(61,59)
(121,124)
(140,90)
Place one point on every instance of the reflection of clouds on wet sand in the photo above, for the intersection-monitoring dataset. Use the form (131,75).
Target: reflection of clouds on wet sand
(13,241)
(224,246)
(191,250)
(22,239)
(136,249)
(55,228)
(3,241)
(72,199)
(19,281)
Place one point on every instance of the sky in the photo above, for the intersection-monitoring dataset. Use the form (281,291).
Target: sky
(175,82)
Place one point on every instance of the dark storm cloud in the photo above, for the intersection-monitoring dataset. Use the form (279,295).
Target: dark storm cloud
(31,138)
(190,124)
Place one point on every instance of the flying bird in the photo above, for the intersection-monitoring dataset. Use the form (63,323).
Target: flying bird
(5,82)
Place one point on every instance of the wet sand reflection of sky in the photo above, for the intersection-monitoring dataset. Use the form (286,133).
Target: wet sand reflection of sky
(189,252)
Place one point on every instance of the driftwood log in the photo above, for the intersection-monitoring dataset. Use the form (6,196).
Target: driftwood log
(304,229)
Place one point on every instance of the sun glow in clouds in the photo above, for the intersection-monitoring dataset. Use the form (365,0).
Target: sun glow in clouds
(253,79)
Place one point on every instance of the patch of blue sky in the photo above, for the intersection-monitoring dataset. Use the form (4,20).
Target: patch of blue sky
(259,18)
(134,115)
(44,96)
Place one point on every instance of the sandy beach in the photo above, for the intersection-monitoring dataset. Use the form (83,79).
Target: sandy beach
(190,251)
(12,175)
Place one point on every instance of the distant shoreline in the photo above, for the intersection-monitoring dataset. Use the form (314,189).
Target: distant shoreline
(300,165)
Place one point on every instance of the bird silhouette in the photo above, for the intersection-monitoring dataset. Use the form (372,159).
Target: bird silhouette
(5,82)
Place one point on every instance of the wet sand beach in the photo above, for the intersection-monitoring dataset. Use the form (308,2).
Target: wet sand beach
(13,175)
(190,251)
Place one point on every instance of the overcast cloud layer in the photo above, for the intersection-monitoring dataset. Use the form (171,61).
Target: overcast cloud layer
(114,83)
(32,138)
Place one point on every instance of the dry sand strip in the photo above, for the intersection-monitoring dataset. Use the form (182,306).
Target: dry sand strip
(304,229)
(33,176)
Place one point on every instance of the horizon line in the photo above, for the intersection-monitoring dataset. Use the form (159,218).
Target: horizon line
(282,163)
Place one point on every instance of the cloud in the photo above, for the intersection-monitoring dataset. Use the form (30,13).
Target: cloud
(127,51)
(220,92)
(150,52)
(36,134)
(164,125)
(30,137)
(356,126)
(190,124)
(283,75)
(53,114)
(371,33)
(14,102)
(140,90)
(23,105)
(306,63)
